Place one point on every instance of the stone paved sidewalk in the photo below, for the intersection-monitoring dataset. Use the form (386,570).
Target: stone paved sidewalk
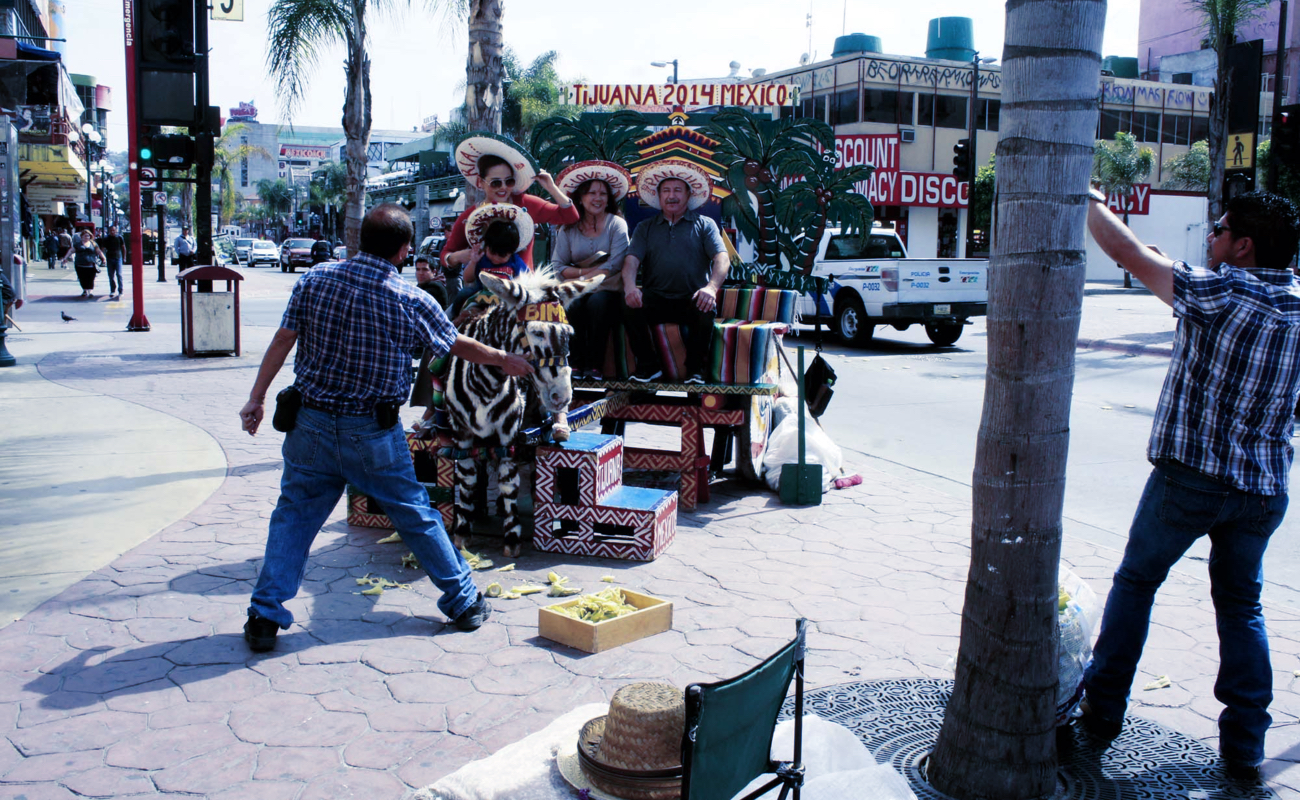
(136,681)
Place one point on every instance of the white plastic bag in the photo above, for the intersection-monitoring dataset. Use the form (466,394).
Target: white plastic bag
(1077,616)
(783,446)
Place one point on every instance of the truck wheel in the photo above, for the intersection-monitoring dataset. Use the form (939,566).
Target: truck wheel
(851,323)
(944,333)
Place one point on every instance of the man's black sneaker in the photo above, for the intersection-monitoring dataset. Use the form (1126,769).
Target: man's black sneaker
(647,374)
(694,377)
(1099,728)
(1240,770)
(260,633)
(473,617)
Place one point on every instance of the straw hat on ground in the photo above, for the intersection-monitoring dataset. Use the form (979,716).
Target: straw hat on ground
(483,216)
(635,751)
(475,147)
(695,178)
(618,179)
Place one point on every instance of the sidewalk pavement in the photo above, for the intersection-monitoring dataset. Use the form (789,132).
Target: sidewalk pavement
(135,680)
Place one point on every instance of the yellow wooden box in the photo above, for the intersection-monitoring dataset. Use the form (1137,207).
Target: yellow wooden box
(654,615)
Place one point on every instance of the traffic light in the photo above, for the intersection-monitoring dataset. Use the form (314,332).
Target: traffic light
(172,151)
(166,31)
(962,160)
(147,132)
(1286,136)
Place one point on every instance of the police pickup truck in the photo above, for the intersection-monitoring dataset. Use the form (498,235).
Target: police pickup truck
(871,281)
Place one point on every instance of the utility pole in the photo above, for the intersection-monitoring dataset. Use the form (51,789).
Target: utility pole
(1279,62)
(204,136)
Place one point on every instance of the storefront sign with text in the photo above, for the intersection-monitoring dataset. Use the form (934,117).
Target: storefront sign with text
(683,94)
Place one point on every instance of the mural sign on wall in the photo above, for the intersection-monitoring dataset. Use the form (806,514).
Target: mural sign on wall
(686,95)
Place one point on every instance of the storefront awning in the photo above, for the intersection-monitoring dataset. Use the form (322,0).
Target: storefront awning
(51,163)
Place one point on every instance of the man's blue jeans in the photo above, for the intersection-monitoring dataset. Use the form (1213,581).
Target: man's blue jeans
(1178,506)
(322,454)
(115,285)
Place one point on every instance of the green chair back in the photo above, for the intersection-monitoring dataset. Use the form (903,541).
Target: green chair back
(729,725)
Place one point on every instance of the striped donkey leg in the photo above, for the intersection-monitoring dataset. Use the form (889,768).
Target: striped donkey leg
(508,483)
(466,482)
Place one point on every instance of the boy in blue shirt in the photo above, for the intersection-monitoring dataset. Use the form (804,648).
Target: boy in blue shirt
(499,256)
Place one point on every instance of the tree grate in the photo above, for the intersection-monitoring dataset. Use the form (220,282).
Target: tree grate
(899,721)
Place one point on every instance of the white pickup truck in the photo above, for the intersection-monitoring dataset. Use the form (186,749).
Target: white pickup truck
(871,282)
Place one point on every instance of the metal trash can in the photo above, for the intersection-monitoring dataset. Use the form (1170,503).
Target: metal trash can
(209,319)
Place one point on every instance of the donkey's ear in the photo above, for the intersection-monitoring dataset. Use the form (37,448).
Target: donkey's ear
(510,292)
(572,290)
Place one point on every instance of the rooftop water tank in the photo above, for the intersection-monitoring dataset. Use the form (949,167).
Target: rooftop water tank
(855,43)
(952,38)
(1121,66)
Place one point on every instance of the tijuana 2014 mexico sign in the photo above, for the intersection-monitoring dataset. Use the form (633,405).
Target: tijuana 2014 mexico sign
(683,94)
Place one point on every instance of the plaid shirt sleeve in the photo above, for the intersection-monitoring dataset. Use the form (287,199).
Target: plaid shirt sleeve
(431,325)
(292,319)
(1201,294)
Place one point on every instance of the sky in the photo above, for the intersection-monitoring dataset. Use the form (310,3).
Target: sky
(418,55)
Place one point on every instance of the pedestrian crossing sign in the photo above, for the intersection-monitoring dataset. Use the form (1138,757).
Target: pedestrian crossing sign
(1240,151)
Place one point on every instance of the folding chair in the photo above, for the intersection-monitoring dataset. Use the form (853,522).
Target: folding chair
(729,727)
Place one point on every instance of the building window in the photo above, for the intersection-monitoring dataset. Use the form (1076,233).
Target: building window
(1113,122)
(1177,129)
(814,107)
(943,111)
(844,107)
(988,114)
(1200,128)
(889,107)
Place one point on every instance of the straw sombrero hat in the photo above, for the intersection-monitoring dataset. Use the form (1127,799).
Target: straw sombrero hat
(635,751)
(483,216)
(574,175)
(695,178)
(475,147)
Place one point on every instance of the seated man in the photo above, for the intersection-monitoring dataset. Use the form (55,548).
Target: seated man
(685,264)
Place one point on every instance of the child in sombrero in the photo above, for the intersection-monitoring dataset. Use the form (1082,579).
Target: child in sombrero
(496,232)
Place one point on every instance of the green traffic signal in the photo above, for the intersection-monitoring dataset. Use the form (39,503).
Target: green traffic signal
(146,155)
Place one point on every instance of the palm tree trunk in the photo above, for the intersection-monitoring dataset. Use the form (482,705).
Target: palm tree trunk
(483,92)
(1218,135)
(997,739)
(356,127)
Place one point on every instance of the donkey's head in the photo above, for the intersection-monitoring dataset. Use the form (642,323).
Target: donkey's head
(536,302)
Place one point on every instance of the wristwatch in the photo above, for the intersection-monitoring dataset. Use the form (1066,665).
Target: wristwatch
(1097,194)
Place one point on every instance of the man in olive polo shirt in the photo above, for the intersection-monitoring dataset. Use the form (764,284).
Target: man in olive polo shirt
(683,263)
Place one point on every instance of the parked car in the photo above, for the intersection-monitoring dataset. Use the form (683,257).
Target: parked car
(341,253)
(321,251)
(295,253)
(243,251)
(263,251)
(432,245)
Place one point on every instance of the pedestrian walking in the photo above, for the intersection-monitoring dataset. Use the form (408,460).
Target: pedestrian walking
(86,257)
(355,324)
(114,247)
(51,247)
(185,249)
(1221,452)
(65,244)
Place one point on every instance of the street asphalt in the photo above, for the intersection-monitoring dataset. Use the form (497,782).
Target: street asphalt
(135,515)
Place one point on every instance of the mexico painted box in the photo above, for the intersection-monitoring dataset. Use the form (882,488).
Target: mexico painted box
(653,615)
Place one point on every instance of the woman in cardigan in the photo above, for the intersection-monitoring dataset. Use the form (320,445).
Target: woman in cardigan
(504,171)
(594,245)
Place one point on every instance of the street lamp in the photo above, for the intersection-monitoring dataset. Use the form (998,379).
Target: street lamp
(92,140)
(666,63)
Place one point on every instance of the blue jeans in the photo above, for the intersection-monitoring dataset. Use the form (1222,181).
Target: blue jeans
(324,453)
(1178,506)
(115,285)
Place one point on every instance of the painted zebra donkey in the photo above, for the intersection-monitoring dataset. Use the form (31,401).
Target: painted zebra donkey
(486,407)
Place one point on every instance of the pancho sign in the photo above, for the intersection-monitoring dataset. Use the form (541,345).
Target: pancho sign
(890,186)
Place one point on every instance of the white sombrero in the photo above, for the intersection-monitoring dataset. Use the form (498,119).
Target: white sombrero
(695,178)
(483,216)
(475,147)
(618,179)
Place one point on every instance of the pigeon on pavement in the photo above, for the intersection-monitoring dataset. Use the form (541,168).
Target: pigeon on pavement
(66,318)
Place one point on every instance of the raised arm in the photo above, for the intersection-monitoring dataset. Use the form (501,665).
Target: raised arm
(1154,270)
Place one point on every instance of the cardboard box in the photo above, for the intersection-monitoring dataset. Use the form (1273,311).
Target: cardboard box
(653,616)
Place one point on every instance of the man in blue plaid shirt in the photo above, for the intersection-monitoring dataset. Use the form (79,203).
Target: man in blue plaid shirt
(355,325)
(1221,451)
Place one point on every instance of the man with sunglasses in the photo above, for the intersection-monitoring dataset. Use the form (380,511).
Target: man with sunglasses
(1221,454)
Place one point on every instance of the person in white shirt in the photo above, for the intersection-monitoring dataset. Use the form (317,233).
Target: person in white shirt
(185,248)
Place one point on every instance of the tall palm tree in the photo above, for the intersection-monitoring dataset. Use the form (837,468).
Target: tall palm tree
(534,93)
(558,141)
(276,196)
(1120,166)
(229,150)
(756,153)
(998,736)
(821,194)
(298,30)
(484,66)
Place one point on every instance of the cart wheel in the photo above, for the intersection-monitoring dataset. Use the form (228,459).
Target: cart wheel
(752,435)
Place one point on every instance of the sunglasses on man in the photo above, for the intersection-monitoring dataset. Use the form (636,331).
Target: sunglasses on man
(1219,228)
